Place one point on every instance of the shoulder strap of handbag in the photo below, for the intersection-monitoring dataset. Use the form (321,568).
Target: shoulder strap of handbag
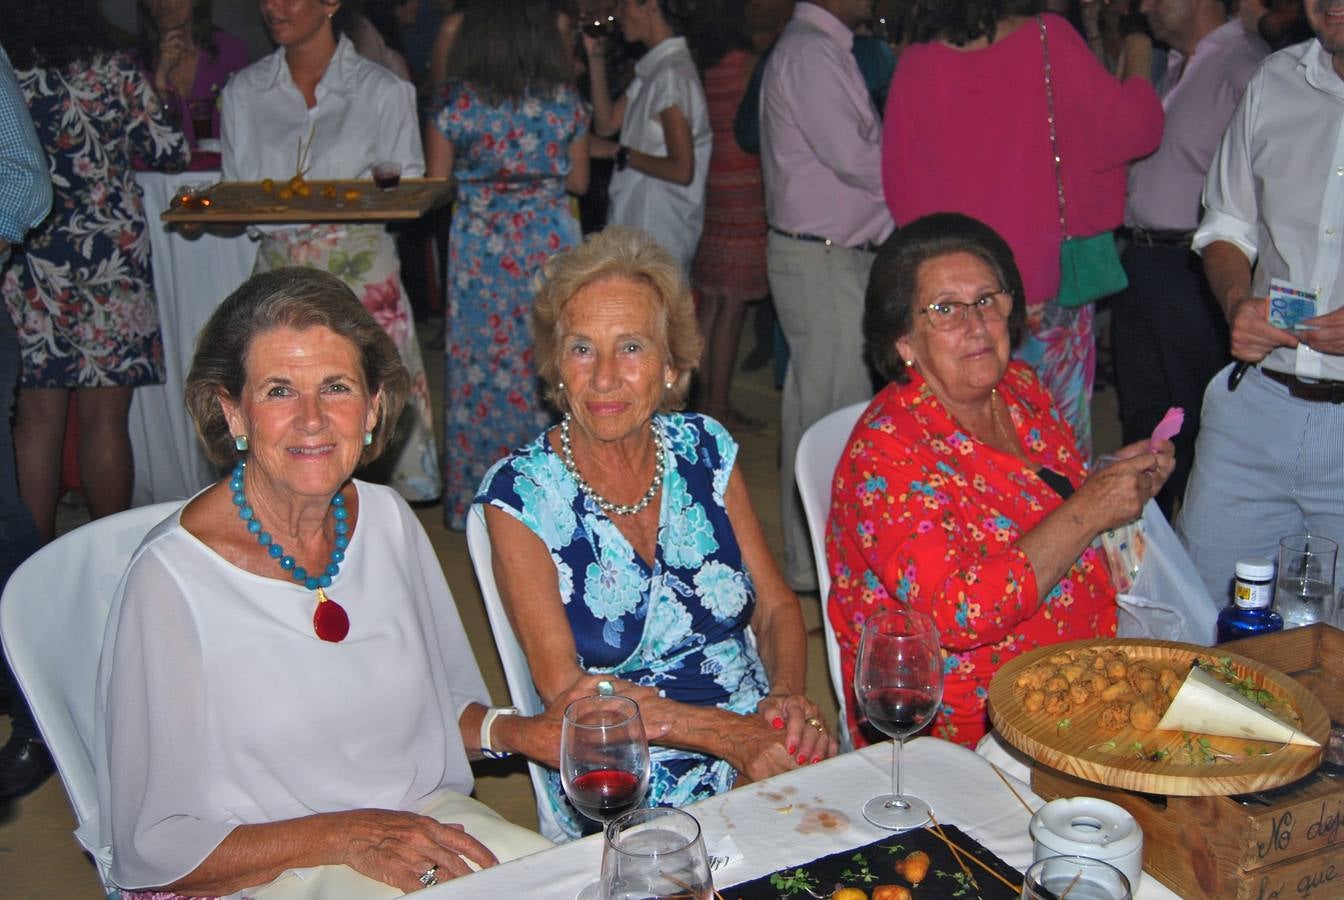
(1050,118)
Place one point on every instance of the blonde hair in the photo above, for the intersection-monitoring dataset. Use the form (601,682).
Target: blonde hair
(617,252)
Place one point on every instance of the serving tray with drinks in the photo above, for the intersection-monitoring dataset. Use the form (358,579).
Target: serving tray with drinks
(297,201)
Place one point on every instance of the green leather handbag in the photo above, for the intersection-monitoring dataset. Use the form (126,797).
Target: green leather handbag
(1089,269)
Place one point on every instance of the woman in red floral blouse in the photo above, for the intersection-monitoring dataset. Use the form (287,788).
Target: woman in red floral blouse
(962,492)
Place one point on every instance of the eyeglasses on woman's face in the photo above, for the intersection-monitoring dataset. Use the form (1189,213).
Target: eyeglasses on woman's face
(992,306)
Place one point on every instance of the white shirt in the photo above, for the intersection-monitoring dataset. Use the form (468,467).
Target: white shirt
(1276,188)
(674,214)
(364,114)
(217,705)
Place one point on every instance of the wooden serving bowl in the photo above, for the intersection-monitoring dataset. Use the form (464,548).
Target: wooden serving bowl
(1124,758)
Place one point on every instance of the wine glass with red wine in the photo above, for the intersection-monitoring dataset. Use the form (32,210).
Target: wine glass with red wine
(604,756)
(898,681)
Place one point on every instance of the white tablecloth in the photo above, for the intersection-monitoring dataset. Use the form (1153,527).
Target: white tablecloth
(191,277)
(780,822)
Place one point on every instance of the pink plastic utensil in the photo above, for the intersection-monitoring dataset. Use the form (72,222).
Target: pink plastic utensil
(1169,427)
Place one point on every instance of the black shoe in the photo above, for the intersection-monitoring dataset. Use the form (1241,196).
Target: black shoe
(24,764)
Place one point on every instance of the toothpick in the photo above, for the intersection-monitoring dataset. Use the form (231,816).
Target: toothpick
(1077,875)
(938,832)
(1009,785)
(956,852)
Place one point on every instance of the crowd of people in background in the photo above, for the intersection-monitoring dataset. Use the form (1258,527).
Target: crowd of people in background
(771,148)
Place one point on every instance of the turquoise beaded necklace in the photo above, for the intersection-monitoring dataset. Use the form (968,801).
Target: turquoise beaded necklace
(330,621)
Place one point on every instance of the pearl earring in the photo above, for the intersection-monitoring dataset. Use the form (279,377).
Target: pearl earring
(368,438)
(240,442)
(560,386)
(667,385)
(909,363)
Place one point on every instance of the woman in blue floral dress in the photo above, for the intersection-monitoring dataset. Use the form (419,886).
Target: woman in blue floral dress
(80,293)
(625,543)
(515,136)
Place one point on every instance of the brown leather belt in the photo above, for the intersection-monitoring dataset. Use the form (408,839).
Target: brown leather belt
(1314,391)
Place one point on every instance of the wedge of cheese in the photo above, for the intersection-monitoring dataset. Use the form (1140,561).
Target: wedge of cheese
(1205,704)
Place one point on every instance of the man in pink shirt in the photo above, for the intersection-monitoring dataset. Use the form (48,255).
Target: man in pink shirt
(1168,333)
(821,156)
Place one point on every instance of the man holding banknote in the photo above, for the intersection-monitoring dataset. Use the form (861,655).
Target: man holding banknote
(1267,463)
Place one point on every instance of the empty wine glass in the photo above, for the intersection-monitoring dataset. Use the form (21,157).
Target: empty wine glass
(898,682)
(655,853)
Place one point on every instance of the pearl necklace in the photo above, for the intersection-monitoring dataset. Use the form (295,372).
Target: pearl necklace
(330,622)
(614,509)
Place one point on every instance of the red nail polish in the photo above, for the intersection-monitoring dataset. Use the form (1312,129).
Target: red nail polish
(777,722)
(801,759)
(792,747)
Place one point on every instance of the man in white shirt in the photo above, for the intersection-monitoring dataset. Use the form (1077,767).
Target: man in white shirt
(1168,334)
(821,157)
(1267,460)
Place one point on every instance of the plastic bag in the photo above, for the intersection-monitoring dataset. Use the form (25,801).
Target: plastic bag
(1166,599)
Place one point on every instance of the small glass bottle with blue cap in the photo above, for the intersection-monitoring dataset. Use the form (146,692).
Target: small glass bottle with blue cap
(1250,612)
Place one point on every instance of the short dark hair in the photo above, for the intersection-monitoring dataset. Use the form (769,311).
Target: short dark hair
(509,47)
(893,282)
(961,21)
(297,298)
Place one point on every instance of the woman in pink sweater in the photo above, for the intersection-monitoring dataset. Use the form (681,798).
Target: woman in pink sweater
(966,131)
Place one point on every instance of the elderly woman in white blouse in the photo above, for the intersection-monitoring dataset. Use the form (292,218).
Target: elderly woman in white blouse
(663,157)
(316,107)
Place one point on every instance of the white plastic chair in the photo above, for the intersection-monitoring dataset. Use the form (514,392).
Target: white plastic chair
(517,673)
(52,618)
(819,453)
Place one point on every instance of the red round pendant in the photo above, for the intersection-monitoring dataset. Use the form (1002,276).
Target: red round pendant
(330,622)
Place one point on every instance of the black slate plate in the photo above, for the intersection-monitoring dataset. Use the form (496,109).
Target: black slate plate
(872,865)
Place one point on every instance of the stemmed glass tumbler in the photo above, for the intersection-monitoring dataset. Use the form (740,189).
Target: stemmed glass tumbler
(898,682)
(604,756)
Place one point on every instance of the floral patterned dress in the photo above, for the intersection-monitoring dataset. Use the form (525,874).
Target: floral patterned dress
(80,293)
(512,214)
(926,515)
(680,624)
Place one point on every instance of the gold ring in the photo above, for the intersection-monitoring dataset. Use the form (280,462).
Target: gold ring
(813,721)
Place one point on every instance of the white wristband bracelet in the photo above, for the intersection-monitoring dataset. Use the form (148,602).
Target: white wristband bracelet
(491,714)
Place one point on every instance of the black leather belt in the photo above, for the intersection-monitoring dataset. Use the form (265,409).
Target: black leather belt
(1158,237)
(1314,391)
(866,246)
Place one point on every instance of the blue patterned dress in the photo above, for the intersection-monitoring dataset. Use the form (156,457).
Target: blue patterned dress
(512,214)
(680,625)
